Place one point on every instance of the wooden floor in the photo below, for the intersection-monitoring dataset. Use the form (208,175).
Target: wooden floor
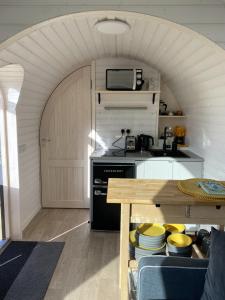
(89,264)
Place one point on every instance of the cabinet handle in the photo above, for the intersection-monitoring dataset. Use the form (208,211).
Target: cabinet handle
(188,211)
(99,193)
(99,181)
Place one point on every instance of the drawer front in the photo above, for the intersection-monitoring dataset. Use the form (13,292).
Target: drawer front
(207,212)
(177,214)
(162,214)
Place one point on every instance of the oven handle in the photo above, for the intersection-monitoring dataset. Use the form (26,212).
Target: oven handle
(99,193)
(99,181)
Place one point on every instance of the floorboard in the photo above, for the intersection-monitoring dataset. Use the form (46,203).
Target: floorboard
(89,265)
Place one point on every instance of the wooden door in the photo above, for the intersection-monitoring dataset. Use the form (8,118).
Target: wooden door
(65,143)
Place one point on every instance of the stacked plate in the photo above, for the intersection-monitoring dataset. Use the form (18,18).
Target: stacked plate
(141,252)
(179,245)
(150,235)
(147,239)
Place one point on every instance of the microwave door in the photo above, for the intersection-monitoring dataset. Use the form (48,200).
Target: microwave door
(119,79)
(134,80)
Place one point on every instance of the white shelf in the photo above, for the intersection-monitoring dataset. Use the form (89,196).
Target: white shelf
(125,107)
(125,92)
(166,116)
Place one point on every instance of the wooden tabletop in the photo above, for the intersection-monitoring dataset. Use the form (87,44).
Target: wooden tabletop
(151,191)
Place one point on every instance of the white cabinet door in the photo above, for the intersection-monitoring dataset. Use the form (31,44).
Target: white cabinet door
(157,169)
(186,170)
(140,169)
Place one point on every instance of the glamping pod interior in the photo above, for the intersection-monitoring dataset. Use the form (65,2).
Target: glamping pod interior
(60,119)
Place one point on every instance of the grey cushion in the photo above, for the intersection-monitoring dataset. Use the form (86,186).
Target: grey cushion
(214,288)
(161,277)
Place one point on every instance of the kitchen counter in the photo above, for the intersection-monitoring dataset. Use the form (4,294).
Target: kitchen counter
(99,155)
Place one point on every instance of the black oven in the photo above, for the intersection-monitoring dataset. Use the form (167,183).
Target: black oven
(106,216)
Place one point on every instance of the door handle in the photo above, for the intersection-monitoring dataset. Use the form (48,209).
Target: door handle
(45,140)
(99,181)
(99,193)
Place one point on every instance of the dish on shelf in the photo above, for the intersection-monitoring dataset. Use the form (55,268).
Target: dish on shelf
(175,228)
(151,230)
(140,252)
(143,245)
(132,237)
(179,240)
(179,244)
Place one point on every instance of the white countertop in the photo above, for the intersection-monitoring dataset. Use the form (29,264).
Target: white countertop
(98,155)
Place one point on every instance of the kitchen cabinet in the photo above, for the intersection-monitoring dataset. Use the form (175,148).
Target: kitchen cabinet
(168,169)
(186,170)
(156,169)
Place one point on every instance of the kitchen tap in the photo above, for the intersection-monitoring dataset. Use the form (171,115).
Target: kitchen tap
(164,138)
(169,140)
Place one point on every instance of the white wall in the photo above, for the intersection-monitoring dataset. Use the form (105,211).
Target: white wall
(204,16)
(110,122)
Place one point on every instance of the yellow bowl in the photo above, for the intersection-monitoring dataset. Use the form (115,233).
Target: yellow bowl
(153,230)
(179,240)
(133,241)
(175,228)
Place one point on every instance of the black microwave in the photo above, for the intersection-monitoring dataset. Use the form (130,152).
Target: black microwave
(124,79)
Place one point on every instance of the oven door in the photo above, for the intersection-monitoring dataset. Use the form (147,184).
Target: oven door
(105,216)
(102,172)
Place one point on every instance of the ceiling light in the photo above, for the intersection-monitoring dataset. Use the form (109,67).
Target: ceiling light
(112,26)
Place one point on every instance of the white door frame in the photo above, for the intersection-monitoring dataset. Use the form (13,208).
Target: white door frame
(5,166)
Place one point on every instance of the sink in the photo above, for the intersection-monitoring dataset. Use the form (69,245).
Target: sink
(168,153)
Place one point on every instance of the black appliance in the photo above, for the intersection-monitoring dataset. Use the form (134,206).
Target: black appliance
(124,79)
(130,143)
(144,142)
(106,216)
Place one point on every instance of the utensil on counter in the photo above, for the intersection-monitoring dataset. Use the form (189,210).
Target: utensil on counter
(144,142)
(179,132)
(162,108)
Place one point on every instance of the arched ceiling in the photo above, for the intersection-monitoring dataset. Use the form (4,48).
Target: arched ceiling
(51,50)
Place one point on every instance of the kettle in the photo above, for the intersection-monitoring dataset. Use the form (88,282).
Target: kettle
(144,142)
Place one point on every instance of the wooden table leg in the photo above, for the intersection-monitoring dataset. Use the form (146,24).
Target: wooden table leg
(124,246)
